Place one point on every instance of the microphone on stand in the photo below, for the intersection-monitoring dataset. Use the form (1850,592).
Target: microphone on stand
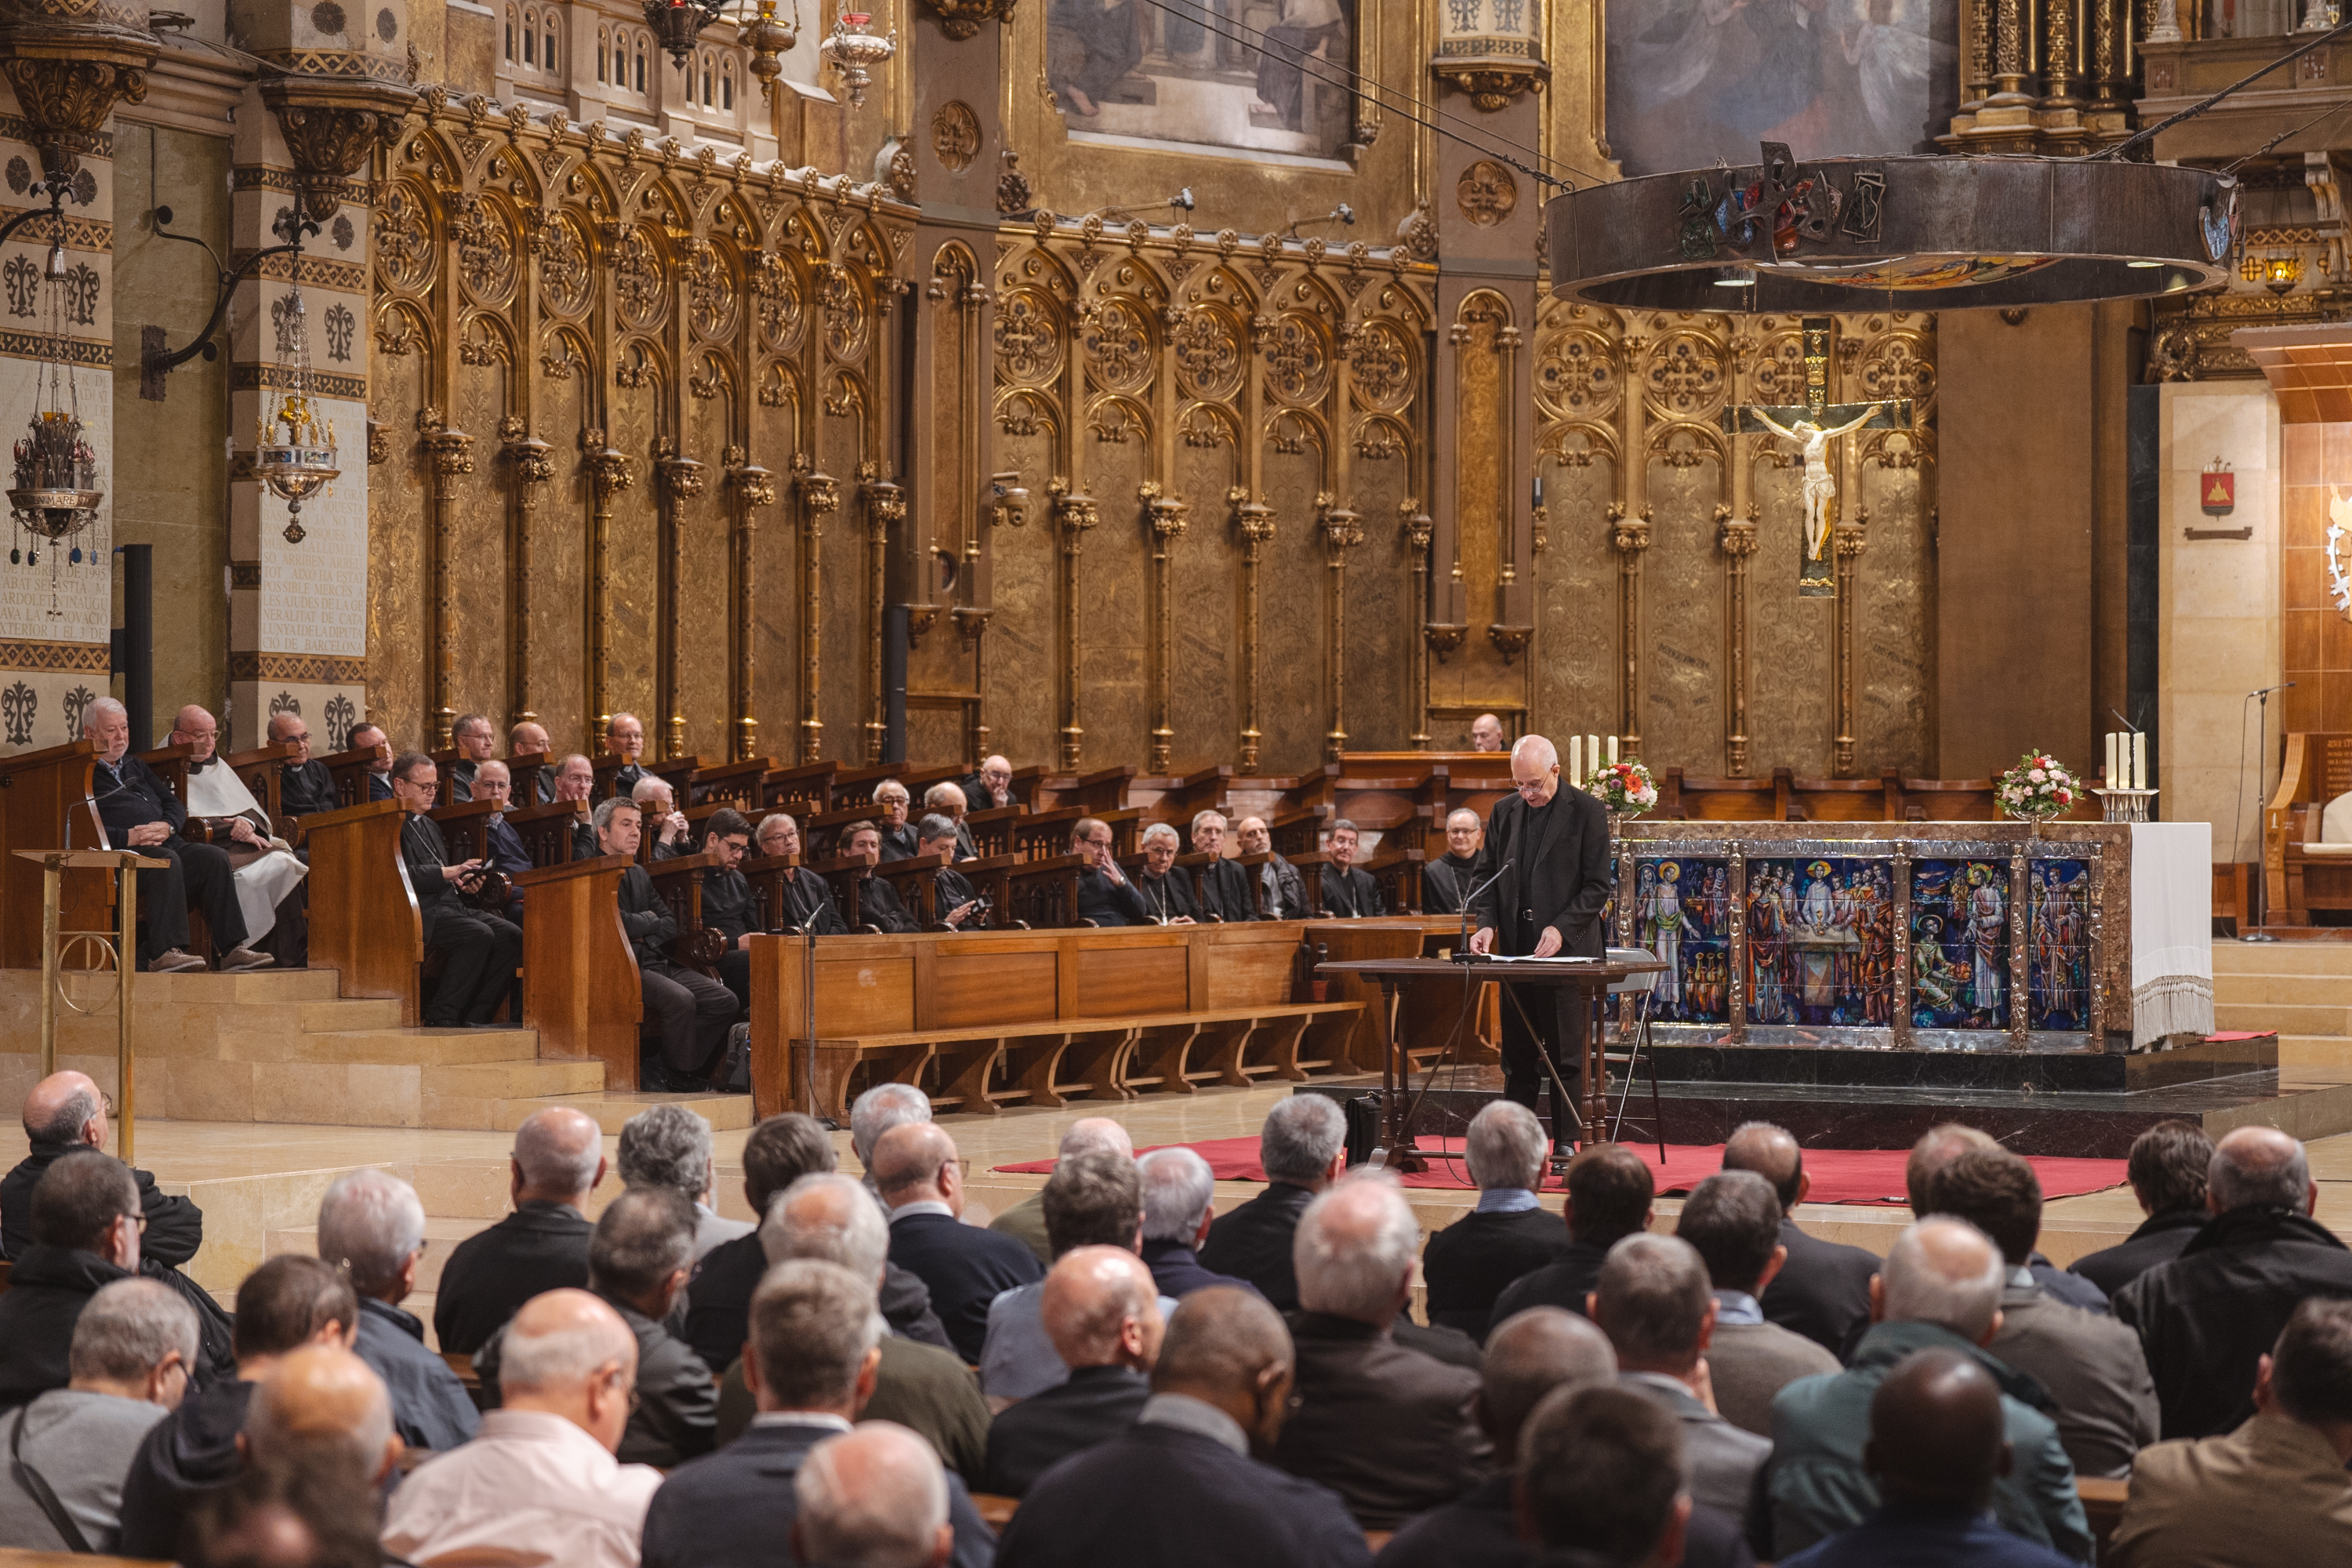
(1462,954)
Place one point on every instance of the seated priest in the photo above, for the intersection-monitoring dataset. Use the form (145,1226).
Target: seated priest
(483,949)
(268,877)
(898,833)
(1347,892)
(1166,892)
(1225,893)
(658,801)
(729,906)
(576,779)
(472,736)
(948,801)
(1487,733)
(992,786)
(625,737)
(1447,880)
(692,1010)
(371,737)
(1106,897)
(1279,879)
(878,901)
(527,743)
(494,783)
(956,899)
(305,787)
(808,901)
(139,811)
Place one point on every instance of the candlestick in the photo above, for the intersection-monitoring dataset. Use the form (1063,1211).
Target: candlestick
(2139,759)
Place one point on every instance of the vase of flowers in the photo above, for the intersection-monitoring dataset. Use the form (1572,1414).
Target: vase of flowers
(2037,788)
(1624,787)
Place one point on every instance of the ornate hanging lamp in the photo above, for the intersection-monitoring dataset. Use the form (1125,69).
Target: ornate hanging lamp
(56,495)
(768,40)
(294,449)
(855,52)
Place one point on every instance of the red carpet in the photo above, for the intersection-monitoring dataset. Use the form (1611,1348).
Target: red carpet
(1840,1175)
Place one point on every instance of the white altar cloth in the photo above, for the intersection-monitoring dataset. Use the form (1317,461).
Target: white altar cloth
(2172,931)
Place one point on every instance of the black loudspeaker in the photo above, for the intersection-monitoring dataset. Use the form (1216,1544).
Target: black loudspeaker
(1363,1114)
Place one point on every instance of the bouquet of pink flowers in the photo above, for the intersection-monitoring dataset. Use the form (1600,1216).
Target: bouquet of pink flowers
(2037,788)
(1623,786)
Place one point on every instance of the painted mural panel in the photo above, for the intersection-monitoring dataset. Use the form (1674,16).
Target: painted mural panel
(1682,912)
(1959,944)
(2058,946)
(1230,73)
(1820,941)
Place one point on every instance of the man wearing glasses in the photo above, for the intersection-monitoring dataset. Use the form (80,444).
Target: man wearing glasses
(1551,846)
(304,783)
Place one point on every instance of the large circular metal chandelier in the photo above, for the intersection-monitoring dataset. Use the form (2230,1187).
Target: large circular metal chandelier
(56,495)
(1902,233)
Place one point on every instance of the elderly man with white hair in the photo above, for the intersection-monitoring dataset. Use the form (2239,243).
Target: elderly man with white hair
(559,1158)
(1392,1431)
(1167,892)
(1469,1264)
(139,811)
(1025,1220)
(1940,1290)
(372,1225)
(669,1145)
(1101,1309)
(991,788)
(540,1484)
(658,801)
(1179,1206)
(1547,849)
(875,1112)
(265,866)
(1225,889)
(1447,880)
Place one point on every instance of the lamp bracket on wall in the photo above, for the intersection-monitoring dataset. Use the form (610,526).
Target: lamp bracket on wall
(154,362)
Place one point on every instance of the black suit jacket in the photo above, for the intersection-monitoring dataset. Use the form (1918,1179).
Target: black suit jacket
(1226,893)
(130,795)
(952,887)
(1253,1242)
(1482,1532)
(727,906)
(2158,1240)
(718,1302)
(898,843)
(1822,1291)
(306,788)
(461,782)
(1470,1263)
(1392,1431)
(379,787)
(540,1246)
(965,1267)
(426,852)
(1028,1439)
(1351,892)
(1166,897)
(1444,881)
(676,1417)
(1178,1272)
(1559,873)
(878,906)
(1564,1283)
(1106,904)
(645,916)
(808,904)
(48,1289)
(506,848)
(1161,1498)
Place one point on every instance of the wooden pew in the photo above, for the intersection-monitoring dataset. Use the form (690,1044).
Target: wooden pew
(1042,891)
(525,770)
(1402,807)
(581,987)
(262,771)
(466,828)
(842,874)
(799,791)
(679,883)
(1188,796)
(1686,797)
(350,772)
(1846,800)
(546,830)
(677,772)
(1042,834)
(364,923)
(170,764)
(606,765)
(993,876)
(992,829)
(765,873)
(45,804)
(2316,768)
(1398,871)
(913,880)
(445,782)
(1948,800)
(1298,832)
(737,785)
(1102,792)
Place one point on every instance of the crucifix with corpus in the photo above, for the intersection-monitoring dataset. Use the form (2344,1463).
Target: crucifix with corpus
(1813,425)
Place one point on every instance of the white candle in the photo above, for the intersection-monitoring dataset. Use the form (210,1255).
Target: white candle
(1612,751)
(1575,757)
(2113,758)
(2139,759)
(1591,756)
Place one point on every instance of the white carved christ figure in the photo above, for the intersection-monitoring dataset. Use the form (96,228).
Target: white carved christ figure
(1821,485)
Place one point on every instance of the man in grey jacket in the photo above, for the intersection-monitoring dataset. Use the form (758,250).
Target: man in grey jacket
(132,1348)
(1733,1218)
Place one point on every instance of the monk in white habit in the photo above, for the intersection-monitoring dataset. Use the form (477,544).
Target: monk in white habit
(265,867)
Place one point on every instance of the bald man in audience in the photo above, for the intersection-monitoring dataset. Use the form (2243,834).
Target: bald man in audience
(267,873)
(540,1484)
(1225,888)
(1823,1290)
(305,787)
(1025,1220)
(625,737)
(558,1160)
(1485,733)
(372,739)
(528,742)
(991,788)
(1101,1309)
(65,1113)
(1392,1431)
(1282,892)
(2207,1318)
(1106,895)
(874,1496)
(1447,880)
(1938,1147)
(1181,1488)
(322,1404)
(574,778)
(372,1226)
(1938,1443)
(949,801)
(920,1180)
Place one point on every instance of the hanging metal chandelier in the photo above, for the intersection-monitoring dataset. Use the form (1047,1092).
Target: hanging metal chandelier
(769,40)
(56,496)
(294,447)
(855,52)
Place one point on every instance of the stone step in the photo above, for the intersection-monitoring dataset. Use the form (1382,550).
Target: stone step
(2285,1018)
(2282,958)
(2315,1050)
(389,1043)
(2301,990)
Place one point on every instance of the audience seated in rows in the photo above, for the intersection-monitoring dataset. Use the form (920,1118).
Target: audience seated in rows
(920,1178)
(669,1145)
(2090,1364)
(1093,1199)
(85,1237)
(1654,1302)
(372,1226)
(1600,1481)
(1102,1311)
(559,1159)
(873,1498)
(2207,1318)
(1303,1148)
(1611,1195)
(811,1364)
(1509,1236)
(1940,1288)
(1179,1208)
(2166,1168)
(1942,1144)
(319,1450)
(875,1112)
(1822,1291)
(1025,1220)
(1733,1220)
(1181,1487)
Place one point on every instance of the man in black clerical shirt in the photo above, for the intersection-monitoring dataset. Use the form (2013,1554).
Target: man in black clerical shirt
(877,902)
(625,737)
(1105,897)
(475,741)
(808,901)
(482,949)
(1281,889)
(1447,880)
(139,811)
(896,834)
(528,742)
(1347,892)
(576,780)
(305,787)
(1226,893)
(507,854)
(728,906)
(1551,846)
(1166,892)
(692,1010)
(991,787)
(956,899)
(372,738)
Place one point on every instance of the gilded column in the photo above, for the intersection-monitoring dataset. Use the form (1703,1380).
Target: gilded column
(1630,533)
(1845,630)
(1342,530)
(1255,520)
(819,495)
(2062,50)
(2011,62)
(682,478)
(452,452)
(886,504)
(1167,517)
(1978,84)
(1737,537)
(527,457)
(1420,530)
(1073,514)
(609,473)
(753,488)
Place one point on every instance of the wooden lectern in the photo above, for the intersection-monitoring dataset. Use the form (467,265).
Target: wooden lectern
(364,923)
(581,989)
(122,867)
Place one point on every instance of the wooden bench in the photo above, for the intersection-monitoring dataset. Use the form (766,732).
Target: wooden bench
(736,783)
(546,831)
(992,829)
(799,791)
